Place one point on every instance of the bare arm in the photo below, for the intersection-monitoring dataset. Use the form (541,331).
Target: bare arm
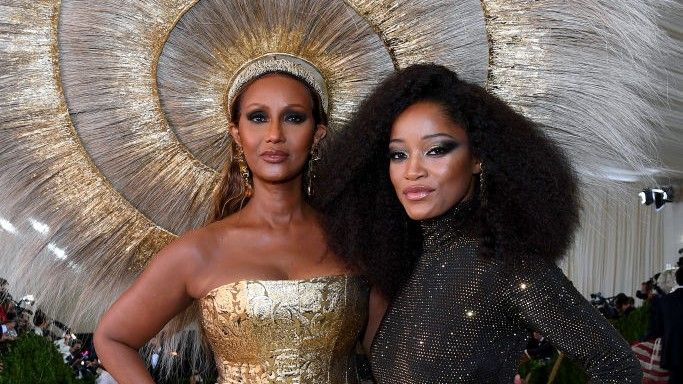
(142,311)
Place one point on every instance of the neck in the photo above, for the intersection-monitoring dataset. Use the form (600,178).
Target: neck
(277,204)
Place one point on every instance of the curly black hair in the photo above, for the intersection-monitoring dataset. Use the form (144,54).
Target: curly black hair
(529,205)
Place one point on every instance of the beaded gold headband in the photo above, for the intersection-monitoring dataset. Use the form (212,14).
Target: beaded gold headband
(279,62)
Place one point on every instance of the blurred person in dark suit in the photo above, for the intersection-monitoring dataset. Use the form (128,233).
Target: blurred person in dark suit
(538,347)
(671,330)
(650,293)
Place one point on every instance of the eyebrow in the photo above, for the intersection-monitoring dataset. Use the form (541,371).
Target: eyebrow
(425,137)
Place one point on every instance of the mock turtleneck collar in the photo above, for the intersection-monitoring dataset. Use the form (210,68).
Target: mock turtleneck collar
(446,229)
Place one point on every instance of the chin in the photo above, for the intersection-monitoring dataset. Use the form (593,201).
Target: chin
(420,213)
(280,178)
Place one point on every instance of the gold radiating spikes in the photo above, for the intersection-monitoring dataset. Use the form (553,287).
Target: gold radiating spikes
(451,33)
(116,110)
(49,178)
(587,71)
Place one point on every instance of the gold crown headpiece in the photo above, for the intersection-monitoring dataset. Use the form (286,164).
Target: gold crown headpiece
(279,62)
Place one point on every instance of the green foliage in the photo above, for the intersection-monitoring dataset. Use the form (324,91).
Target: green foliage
(633,326)
(570,373)
(536,370)
(539,371)
(34,359)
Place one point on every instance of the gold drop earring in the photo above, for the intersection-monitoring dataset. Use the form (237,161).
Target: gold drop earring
(244,171)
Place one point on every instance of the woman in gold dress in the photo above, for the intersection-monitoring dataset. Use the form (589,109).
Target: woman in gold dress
(277,305)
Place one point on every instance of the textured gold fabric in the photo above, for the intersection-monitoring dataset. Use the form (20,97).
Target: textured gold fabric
(464,319)
(286,331)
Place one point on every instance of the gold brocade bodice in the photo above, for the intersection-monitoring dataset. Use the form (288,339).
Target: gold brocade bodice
(286,331)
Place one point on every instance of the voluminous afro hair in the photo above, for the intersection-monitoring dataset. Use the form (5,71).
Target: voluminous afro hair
(529,204)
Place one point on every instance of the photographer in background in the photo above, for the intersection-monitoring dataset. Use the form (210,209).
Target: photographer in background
(606,306)
(74,356)
(41,324)
(649,292)
(81,361)
(624,304)
(24,321)
(64,345)
(538,347)
(6,307)
(9,332)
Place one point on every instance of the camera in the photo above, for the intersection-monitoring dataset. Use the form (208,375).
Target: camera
(604,305)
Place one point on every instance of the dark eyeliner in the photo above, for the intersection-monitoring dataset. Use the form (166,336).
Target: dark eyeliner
(393,155)
(256,116)
(443,148)
(295,117)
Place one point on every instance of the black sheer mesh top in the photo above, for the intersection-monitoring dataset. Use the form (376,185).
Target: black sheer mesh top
(464,319)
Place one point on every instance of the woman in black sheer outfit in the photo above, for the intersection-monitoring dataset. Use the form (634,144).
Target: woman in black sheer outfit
(461,206)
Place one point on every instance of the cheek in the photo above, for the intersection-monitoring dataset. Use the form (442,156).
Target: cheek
(249,142)
(249,146)
(304,140)
(455,176)
(300,138)
(249,136)
(395,175)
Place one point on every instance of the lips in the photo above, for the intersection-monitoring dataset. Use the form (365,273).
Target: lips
(417,193)
(274,156)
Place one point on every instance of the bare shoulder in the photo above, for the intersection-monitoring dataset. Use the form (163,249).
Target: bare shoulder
(191,256)
(210,255)
(189,250)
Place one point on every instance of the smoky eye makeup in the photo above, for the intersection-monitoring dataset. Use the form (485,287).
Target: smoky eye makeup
(295,117)
(257,116)
(442,148)
(395,154)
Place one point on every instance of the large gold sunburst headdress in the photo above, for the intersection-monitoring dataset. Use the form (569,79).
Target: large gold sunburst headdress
(113,119)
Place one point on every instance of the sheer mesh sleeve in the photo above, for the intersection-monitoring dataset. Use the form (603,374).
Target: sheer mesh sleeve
(546,301)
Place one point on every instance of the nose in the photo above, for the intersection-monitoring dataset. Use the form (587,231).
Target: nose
(274,133)
(414,169)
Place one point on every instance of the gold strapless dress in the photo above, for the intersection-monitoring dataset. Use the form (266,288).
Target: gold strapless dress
(286,331)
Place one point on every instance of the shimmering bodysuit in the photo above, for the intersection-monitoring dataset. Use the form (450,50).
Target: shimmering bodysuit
(286,331)
(464,319)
